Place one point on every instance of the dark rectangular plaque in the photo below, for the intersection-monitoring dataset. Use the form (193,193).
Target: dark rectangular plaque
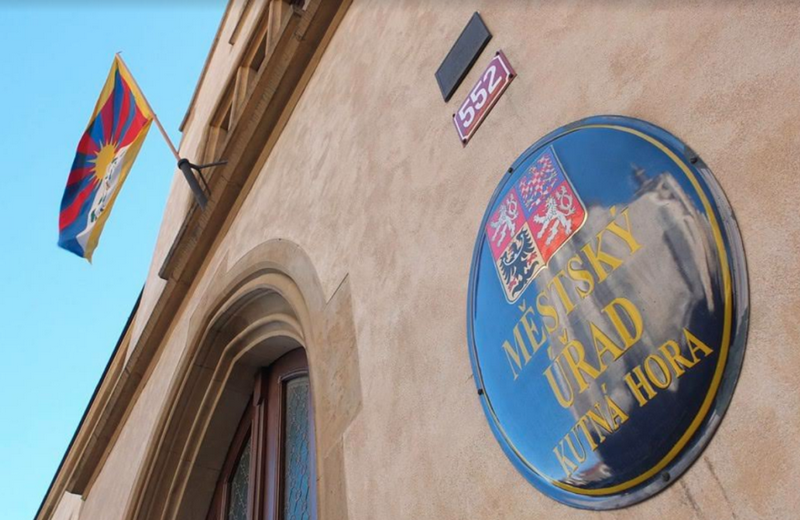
(462,56)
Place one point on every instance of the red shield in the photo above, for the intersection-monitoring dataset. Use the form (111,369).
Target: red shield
(540,213)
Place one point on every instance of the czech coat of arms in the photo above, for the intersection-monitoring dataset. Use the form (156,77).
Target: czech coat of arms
(538,215)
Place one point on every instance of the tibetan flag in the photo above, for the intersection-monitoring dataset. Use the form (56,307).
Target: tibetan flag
(105,155)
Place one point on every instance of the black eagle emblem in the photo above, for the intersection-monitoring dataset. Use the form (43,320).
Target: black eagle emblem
(519,262)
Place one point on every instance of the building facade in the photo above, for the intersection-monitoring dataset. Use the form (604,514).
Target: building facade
(333,258)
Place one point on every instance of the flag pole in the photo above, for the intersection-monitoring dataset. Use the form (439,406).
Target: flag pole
(150,108)
(186,167)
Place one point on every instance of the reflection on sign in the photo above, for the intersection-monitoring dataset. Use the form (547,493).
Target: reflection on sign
(604,332)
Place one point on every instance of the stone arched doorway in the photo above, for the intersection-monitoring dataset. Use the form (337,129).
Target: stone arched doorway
(269,303)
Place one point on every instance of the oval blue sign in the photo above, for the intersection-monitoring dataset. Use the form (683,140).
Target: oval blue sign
(607,311)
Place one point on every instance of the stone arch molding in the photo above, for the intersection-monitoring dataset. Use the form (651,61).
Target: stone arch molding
(268,303)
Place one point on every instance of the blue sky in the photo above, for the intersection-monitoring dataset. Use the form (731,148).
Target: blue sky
(59,316)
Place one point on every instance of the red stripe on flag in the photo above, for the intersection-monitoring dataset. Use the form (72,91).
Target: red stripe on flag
(133,131)
(122,116)
(87,146)
(78,174)
(107,115)
(70,213)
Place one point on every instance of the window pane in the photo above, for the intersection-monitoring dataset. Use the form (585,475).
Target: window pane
(237,506)
(296,469)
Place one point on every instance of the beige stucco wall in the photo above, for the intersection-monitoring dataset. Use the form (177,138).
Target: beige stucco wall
(69,507)
(371,181)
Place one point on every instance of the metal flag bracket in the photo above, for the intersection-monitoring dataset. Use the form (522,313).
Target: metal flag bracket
(189,169)
(185,166)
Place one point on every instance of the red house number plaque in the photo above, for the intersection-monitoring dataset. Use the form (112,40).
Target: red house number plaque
(483,96)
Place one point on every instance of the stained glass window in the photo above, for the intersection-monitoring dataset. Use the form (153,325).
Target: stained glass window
(237,506)
(296,471)
(270,462)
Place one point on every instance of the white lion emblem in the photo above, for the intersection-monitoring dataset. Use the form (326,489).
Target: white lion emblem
(559,207)
(107,185)
(507,213)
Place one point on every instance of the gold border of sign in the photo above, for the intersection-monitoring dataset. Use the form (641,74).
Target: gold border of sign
(726,334)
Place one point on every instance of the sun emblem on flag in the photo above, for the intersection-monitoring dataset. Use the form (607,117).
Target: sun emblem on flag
(107,168)
(103,159)
(538,215)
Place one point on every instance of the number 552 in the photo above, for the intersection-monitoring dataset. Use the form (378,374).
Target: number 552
(477,98)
